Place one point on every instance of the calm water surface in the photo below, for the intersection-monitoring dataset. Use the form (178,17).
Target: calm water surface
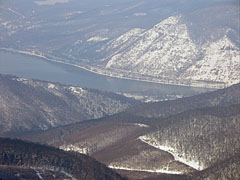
(27,66)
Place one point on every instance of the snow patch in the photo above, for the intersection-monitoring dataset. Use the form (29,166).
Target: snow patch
(194,164)
(50,2)
(51,86)
(44,127)
(141,125)
(16,13)
(21,79)
(77,90)
(97,39)
(38,174)
(71,147)
(165,171)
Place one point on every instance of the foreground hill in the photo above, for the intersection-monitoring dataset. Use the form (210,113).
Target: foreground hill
(182,136)
(224,170)
(33,104)
(199,137)
(35,159)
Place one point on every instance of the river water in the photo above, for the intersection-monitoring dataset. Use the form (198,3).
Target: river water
(34,67)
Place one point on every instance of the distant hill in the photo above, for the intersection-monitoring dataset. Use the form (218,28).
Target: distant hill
(38,160)
(222,97)
(176,41)
(32,104)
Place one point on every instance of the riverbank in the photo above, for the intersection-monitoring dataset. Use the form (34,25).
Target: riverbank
(104,72)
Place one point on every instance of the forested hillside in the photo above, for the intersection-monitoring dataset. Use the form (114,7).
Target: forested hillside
(199,137)
(222,97)
(46,160)
(191,137)
(33,104)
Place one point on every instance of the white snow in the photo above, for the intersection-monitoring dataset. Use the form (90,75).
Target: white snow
(53,169)
(141,125)
(38,174)
(221,63)
(177,157)
(77,90)
(21,79)
(17,13)
(166,53)
(97,39)
(160,51)
(68,175)
(165,171)
(71,147)
(44,127)
(51,86)
(50,2)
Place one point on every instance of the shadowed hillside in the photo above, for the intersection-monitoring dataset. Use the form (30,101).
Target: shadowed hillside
(44,158)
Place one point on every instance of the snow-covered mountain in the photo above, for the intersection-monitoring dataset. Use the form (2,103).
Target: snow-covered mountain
(168,53)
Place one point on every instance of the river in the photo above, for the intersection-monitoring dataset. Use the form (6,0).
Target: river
(34,67)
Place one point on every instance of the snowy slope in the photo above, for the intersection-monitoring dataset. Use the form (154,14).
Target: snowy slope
(221,62)
(167,52)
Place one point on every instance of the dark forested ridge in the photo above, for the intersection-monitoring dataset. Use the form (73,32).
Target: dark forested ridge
(32,104)
(18,154)
(222,97)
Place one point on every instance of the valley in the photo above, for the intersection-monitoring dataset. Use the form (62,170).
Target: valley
(136,142)
(119,90)
(152,141)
